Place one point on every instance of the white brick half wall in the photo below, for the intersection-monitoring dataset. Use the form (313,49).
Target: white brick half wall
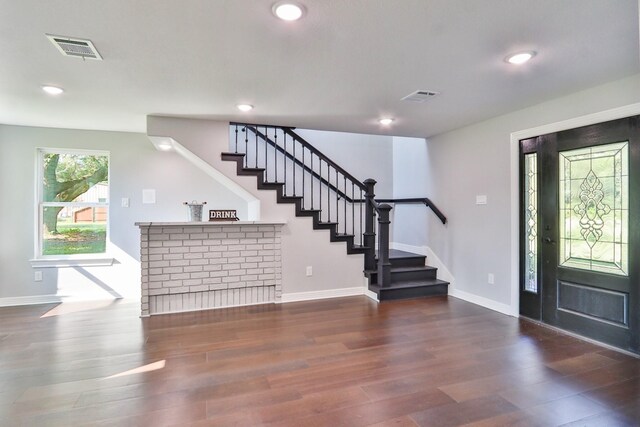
(199,266)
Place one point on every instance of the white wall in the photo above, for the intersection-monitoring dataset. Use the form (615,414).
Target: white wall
(135,165)
(410,180)
(363,156)
(302,246)
(476,160)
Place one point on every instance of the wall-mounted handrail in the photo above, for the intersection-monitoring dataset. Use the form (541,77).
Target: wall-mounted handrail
(423,200)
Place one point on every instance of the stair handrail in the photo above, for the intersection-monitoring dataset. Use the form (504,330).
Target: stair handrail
(290,131)
(265,138)
(424,200)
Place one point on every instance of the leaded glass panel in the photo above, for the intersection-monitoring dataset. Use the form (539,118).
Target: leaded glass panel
(594,208)
(531,222)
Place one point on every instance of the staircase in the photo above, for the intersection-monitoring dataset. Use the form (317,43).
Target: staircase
(282,161)
(410,278)
(281,197)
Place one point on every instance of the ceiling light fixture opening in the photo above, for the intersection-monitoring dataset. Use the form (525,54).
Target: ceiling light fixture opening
(165,146)
(386,121)
(520,57)
(52,90)
(288,11)
(162,143)
(245,107)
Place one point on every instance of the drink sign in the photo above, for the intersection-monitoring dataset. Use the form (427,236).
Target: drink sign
(223,215)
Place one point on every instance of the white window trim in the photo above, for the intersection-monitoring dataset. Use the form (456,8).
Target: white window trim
(80,260)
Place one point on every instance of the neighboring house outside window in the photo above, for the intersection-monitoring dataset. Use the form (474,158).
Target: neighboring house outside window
(73,202)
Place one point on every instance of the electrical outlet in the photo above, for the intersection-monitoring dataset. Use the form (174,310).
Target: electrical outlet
(491,279)
(37,276)
(309,271)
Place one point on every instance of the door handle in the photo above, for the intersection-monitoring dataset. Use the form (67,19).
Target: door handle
(548,240)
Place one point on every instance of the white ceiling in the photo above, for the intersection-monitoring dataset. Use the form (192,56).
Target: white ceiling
(347,63)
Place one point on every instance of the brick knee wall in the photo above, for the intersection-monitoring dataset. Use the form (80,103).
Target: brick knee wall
(204,266)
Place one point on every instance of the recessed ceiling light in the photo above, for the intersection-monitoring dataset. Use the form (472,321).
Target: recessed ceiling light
(386,121)
(52,90)
(288,11)
(245,107)
(520,57)
(165,146)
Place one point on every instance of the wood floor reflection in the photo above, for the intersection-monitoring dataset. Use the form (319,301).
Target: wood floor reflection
(339,362)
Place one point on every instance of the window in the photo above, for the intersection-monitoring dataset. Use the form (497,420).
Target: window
(73,202)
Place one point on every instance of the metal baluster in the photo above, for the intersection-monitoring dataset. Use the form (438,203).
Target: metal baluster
(294,169)
(353,215)
(311,179)
(246,146)
(320,185)
(284,136)
(360,213)
(256,134)
(303,186)
(344,188)
(328,193)
(275,152)
(337,203)
(236,139)
(266,171)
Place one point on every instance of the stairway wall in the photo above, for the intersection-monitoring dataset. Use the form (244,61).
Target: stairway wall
(334,272)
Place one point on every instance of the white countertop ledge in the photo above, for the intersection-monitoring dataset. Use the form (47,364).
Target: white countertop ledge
(206,224)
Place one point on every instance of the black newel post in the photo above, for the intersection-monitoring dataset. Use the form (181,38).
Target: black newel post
(384,265)
(369,232)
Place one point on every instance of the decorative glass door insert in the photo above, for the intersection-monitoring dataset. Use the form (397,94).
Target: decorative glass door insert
(594,208)
(531,222)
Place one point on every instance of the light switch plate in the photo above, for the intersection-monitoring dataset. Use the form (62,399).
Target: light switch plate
(481,199)
(125,202)
(148,196)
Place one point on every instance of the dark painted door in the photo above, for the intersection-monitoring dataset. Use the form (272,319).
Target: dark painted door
(580,228)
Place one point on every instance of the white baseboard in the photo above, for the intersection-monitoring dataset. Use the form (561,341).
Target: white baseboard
(329,293)
(445,274)
(30,300)
(432,260)
(371,295)
(482,301)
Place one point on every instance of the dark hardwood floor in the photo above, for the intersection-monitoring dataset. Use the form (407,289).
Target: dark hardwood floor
(339,362)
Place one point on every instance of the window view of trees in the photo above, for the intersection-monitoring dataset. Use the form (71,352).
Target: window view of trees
(75,190)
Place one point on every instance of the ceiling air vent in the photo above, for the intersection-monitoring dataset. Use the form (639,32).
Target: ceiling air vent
(420,96)
(79,48)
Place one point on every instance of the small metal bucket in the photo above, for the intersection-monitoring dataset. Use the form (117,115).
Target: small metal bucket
(195,210)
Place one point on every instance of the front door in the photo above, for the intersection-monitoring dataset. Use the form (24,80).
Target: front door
(580,231)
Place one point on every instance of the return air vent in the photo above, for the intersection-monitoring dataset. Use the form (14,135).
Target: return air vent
(420,96)
(79,48)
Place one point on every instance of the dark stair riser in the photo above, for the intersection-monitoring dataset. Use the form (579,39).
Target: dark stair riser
(408,262)
(389,294)
(397,276)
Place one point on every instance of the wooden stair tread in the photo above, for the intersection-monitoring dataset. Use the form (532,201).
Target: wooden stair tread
(408,269)
(396,253)
(406,284)
(405,269)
